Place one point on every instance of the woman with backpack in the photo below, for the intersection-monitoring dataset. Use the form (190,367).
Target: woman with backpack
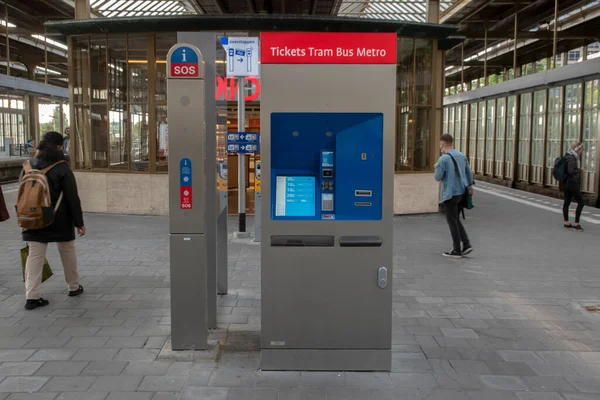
(571,186)
(48,164)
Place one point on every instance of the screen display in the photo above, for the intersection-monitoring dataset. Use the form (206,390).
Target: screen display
(295,196)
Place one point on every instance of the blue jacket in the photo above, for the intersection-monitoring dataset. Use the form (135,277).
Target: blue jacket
(446,173)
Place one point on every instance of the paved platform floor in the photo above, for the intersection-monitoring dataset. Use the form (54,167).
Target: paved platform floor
(506,323)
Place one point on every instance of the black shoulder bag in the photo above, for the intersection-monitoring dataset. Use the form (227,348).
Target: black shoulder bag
(467,199)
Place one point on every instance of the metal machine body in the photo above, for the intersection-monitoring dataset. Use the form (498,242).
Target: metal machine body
(327,165)
(187,197)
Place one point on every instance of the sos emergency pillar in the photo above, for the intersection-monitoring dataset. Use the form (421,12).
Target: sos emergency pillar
(187,225)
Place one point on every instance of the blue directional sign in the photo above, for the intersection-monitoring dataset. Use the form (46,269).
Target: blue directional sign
(243,142)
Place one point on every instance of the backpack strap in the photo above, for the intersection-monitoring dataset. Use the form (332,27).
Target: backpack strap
(45,170)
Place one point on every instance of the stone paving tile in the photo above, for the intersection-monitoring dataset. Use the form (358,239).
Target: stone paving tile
(19,368)
(69,384)
(302,393)
(539,396)
(487,394)
(236,393)
(503,382)
(129,396)
(53,355)
(15,354)
(162,384)
(22,384)
(32,396)
(104,368)
(62,368)
(205,393)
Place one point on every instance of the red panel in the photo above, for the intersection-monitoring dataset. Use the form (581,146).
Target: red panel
(185,197)
(184,69)
(327,48)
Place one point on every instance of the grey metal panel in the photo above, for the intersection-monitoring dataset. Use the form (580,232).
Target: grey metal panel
(188,294)
(326,298)
(222,236)
(186,139)
(206,43)
(553,77)
(257,216)
(28,87)
(326,360)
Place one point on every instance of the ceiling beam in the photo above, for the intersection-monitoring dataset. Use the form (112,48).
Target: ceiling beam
(541,35)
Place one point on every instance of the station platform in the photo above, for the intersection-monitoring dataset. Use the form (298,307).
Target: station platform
(506,323)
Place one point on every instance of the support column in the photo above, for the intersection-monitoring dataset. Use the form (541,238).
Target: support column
(555,34)
(516,39)
(437,80)
(34,109)
(82,9)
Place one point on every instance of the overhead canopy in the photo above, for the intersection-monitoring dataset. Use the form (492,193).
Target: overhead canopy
(260,23)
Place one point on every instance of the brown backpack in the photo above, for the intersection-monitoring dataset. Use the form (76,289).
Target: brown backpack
(34,206)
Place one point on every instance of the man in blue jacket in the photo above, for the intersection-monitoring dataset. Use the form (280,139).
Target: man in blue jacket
(453,170)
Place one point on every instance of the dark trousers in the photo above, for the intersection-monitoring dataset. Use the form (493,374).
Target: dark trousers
(573,192)
(457,230)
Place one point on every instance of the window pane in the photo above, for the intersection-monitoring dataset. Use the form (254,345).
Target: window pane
(118,137)
(590,126)
(80,78)
(405,70)
(539,115)
(403,138)
(554,126)
(472,133)
(500,113)
(138,65)
(490,126)
(117,69)
(445,120)
(99,136)
(451,121)
(164,41)
(139,137)
(572,115)
(463,135)
(457,129)
(162,130)
(525,128)
(422,135)
(98,69)
(423,71)
(82,131)
(480,136)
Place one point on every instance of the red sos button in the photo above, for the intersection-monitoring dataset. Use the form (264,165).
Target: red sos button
(185,196)
(184,69)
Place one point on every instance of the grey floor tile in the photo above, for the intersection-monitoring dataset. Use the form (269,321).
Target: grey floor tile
(548,384)
(205,393)
(84,342)
(162,384)
(19,368)
(539,396)
(277,378)
(32,396)
(136,355)
(129,396)
(143,368)
(302,393)
(69,384)
(104,368)
(199,378)
(519,356)
(552,369)
(95,354)
(460,333)
(62,368)
(586,385)
(12,343)
(323,379)
(373,380)
(137,342)
(53,355)
(243,393)
(233,377)
(487,394)
(559,356)
(470,367)
(448,394)
(15,354)
(503,382)
(166,396)
(116,383)
(510,368)
(22,384)
(413,380)
(580,396)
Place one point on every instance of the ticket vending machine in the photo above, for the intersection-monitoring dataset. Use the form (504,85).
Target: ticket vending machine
(327,165)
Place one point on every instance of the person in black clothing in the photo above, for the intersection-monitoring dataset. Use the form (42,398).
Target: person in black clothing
(571,186)
(62,231)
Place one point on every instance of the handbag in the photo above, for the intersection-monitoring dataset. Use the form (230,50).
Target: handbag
(46,271)
(3,211)
(467,199)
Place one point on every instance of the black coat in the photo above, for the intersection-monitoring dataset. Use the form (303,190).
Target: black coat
(573,172)
(69,214)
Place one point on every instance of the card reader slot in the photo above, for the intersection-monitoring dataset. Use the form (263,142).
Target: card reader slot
(362,204)
(363,193)
(361,241)
(302,241)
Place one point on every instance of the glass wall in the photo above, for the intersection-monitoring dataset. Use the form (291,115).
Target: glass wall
(111,77)
(413,109)
(14,116)
(548,122)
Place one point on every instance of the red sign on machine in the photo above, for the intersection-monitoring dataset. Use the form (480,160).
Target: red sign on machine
(327,48)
